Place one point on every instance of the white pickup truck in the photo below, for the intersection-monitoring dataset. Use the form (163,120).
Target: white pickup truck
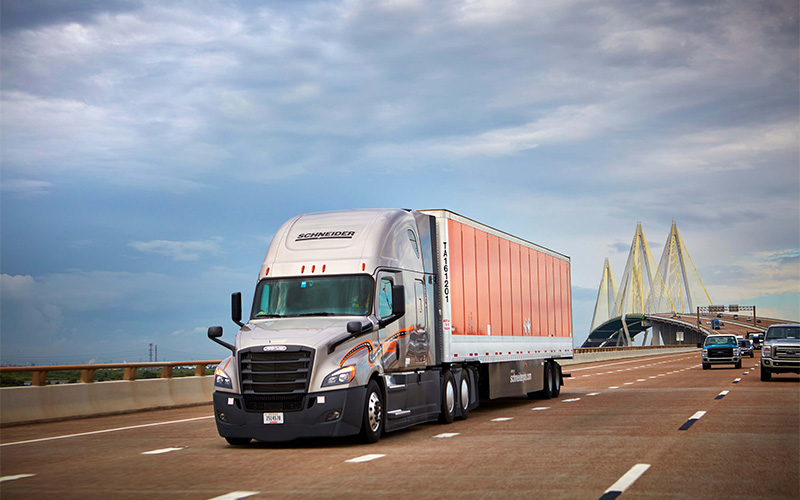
(781,351)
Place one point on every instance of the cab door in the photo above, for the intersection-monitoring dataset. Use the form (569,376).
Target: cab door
(388,337)
(416,353)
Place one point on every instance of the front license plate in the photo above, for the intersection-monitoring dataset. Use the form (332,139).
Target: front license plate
(273,418)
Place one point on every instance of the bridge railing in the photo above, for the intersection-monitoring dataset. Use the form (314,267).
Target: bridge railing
(39,373)
(589,350)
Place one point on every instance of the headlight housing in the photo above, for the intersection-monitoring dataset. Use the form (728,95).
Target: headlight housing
(221,378)
(766,351)
(341,376)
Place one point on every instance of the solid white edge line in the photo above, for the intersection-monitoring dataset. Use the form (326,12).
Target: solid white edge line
(235,495)
(106,430)
(628,478)
(365,458)
(13,478)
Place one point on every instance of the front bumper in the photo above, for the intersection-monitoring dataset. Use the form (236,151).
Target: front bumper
(721,361)
(780,366)
(314,420)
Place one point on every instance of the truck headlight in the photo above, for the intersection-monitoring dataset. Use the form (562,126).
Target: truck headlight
(221,378)
(341,376)
(766,351)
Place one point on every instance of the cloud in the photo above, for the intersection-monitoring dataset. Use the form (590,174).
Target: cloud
(26,187)
(179,250)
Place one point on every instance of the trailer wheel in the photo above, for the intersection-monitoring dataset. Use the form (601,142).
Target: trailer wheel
(448,398)
(556,376)
(463,395)
(372,425)
(238,441)
(547,392)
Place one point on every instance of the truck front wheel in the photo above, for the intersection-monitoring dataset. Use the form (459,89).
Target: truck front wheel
(766,375)
(237,441)
(372,425)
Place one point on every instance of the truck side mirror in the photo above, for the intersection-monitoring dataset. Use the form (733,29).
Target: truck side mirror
(354,327)
(214,333)
(699,345)
(236,308)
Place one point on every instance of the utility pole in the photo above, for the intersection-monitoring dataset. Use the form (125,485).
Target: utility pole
(151,352)
(156,353)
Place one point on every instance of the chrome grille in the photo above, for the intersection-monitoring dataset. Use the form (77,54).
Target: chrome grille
(787,353)
(720,352)
(275,380)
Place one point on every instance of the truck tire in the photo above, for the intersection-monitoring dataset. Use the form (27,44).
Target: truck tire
(706,366)
(449,397)
(238,441)
(738,365)
(556,376)
(766,375)
(372,424)
(547,392)
(463,395)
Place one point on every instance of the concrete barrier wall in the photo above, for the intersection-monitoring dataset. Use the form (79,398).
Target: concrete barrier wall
(53,402)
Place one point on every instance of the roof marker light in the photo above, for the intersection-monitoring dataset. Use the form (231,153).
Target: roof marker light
(313,268)
(303,269)
(323,268)
(363,266)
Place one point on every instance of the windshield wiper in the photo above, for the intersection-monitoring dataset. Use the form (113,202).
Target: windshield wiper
(269,315)
(321,313)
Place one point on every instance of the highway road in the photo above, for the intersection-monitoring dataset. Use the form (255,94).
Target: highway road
(647,428)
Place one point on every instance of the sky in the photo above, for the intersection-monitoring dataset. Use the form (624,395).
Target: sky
(150,150)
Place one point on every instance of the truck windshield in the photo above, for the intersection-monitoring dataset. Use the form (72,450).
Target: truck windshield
(317,296)
(783,332)
(710,341)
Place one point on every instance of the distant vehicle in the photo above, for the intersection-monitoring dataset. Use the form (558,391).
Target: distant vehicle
(720,349)
(746,347)
(756,337)
(715,324)
(781,351)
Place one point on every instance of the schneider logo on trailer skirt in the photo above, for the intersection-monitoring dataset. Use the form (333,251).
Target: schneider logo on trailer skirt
(327,235)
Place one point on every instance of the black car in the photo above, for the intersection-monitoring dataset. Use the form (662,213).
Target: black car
(746,347)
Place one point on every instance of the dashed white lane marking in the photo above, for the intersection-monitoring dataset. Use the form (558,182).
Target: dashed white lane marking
(365,458)
(628,383)
(571,400)
(106,430)
(737,381)
(164,450)
(13,478)
(625,481)
(593,394)
(540,408)
(652,376)
(502,419)
(641,379)
(446,435)
(694,418)
(235,495)
(722,394)
(614,387)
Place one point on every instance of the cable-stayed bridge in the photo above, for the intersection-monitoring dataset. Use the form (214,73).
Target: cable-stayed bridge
(647,294)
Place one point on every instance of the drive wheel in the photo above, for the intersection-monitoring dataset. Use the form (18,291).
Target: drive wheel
(372,425)
(463,395)
(448,398)
(238,441)
(766,375)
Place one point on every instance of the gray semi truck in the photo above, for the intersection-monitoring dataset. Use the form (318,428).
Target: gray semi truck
(369,321)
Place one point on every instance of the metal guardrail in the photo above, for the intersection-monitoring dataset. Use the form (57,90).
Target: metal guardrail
(39,373)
